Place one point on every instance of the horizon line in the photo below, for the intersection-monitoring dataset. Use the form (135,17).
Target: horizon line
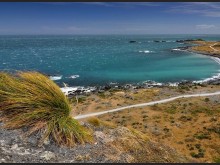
(119,34)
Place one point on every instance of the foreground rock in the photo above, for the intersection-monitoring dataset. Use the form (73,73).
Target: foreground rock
(111,145)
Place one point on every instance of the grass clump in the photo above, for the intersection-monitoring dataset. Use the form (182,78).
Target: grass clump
(207,99)
(97,122)
(94,121)
(31,100)
(201,136)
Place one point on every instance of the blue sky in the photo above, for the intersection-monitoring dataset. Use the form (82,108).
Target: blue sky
(110,18)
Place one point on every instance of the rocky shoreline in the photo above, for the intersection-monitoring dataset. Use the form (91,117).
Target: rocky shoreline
(70,91)
(145,85)
(189,49)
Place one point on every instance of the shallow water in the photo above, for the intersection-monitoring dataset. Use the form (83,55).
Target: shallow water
(97,60)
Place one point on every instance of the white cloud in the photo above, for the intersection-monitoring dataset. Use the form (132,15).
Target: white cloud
(204,26)
(209,9)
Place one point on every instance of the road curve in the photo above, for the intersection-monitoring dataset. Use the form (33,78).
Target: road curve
(145,104)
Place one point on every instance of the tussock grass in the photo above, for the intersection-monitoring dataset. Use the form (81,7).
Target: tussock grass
(94,121)
(31,100)
(97,122)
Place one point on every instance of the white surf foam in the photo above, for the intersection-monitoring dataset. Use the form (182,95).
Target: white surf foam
(145,51)
(176,49)
(216,59)
(173,84)
(215,77)
(152,83)
(54,78)
(74,76)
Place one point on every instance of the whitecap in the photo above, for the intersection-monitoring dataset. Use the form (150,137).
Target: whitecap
(177,49)
(145,51)
(74,76)
(54,78)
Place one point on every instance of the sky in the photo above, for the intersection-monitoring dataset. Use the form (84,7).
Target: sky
(109,18)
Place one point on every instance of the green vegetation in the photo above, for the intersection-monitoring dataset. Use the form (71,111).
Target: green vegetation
(184,87)
(199,39)
(215,129)
(201,152)
(31,100)
(170,111)
(198,155)
(217,160)
(201,136)
(207,99)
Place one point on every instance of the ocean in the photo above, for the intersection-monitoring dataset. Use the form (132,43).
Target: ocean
(89,60)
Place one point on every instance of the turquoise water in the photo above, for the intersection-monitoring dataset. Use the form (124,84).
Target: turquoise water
(99,59)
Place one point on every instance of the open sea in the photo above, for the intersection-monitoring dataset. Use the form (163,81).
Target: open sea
(89,60)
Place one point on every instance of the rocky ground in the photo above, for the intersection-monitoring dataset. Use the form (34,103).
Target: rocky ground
(110,145)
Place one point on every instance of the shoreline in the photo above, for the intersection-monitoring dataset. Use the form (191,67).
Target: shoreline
(204,47)
(81,90)
(214,80)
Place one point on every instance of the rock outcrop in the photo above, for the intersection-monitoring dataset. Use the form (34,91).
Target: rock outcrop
(111,146)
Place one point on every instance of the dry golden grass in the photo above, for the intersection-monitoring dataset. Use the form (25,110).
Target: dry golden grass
(31,100)
(204,47)
(97,122)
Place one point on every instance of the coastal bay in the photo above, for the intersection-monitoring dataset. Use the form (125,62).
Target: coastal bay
(96,60)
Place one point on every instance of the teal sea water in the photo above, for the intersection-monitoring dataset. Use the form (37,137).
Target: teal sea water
(100,59)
